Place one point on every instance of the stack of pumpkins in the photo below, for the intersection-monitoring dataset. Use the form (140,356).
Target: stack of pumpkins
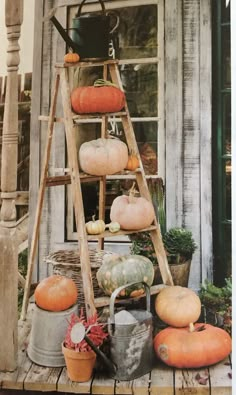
(185,343)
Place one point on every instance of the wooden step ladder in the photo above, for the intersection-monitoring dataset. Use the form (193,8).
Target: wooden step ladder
(70,120)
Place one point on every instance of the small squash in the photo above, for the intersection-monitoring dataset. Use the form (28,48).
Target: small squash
(132,213)
(117,270)
(113,227)
(178,306)
(71,57)
(133,162)
(192,347)
(95,227)
(103,156)
(56,293)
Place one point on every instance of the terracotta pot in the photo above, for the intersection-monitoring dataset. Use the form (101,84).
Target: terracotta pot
(79,364)
(179,272)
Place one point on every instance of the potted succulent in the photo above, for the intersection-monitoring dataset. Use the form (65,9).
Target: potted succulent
(79,356)
(179,245)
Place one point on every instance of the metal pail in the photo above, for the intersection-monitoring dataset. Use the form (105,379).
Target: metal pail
(47,333)
(131,347)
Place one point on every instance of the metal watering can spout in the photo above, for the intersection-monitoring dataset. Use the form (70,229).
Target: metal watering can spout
(61,30)
(78,333)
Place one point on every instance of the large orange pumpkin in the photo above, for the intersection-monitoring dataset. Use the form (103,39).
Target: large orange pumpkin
(56,293)
(97,99)
(103,156)
(178,306)
(132,213)
(192,347)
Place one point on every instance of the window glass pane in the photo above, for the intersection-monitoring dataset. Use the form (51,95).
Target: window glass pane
(228,189)
(227,123)
(139,39)
(140,85)
(226,59)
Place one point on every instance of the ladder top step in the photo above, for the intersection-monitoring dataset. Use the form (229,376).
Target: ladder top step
(87,63)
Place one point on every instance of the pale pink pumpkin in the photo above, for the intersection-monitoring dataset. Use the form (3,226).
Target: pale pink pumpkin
(132,213)
(103,156)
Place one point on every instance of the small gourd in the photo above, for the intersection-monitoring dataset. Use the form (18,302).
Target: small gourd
(95,227)
(71,57)
(133,162)
(113,227)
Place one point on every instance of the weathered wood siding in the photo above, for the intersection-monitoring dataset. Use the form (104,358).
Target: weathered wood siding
(187,120)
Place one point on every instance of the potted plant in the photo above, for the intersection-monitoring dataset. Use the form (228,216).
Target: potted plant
(179,245)
(217,304)
(79,356)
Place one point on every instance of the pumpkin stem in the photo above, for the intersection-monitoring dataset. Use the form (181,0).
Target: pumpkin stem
(93,217)
(132,193)
(191,327)
(101,82)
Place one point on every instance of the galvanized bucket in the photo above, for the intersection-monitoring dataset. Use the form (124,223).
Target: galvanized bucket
(131,348)
(47,333)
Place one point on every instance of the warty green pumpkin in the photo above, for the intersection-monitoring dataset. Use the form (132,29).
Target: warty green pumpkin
(117,270)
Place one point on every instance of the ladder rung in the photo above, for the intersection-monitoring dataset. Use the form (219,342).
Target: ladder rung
(96,117)
(120,233)
(66,179)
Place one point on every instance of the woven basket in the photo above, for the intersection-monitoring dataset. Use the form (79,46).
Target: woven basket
(67,263)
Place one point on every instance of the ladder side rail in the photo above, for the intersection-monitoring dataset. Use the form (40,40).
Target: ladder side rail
(77,195)
(35,234)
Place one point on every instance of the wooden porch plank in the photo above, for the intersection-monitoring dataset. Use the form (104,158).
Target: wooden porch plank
(220,381)
(124,387)
(162,380)
(14,380)
(41,378)
(103,385)
(66,385)
(141,385)
(186,382)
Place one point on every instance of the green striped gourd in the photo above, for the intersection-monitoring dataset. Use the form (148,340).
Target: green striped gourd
(117,270)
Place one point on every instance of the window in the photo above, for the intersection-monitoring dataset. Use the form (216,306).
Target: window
(139,51)
(221,140)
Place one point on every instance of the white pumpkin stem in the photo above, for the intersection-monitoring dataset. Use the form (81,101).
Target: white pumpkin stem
(191,327)
(93,217)
(132,193)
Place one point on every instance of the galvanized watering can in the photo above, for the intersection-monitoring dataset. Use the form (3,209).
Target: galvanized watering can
(131,340)
(92,33)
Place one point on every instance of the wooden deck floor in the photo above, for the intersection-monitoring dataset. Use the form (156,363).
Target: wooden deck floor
(161,381)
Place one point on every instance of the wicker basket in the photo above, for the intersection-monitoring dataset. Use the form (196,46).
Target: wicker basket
(67,263)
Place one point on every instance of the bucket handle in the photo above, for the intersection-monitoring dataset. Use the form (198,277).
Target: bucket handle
(80,6)
(116,293)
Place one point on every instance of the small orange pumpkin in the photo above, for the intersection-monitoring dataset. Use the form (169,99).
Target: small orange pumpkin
(133,162)
(178,306)
(192,347)
(56,293)
(71,57)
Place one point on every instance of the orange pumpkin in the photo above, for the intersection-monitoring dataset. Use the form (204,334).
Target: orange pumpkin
(71,57)
(178,306)
(192,347)
(132,213)
(103,156)
(56,293)
(133,162)
(97,99)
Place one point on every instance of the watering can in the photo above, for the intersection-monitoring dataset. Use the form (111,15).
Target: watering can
(131,340)
(92,33)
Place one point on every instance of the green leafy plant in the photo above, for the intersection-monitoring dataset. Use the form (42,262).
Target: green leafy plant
(178,243)
(95,332)
(218,301)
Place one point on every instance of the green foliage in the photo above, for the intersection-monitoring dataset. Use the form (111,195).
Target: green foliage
(179,244)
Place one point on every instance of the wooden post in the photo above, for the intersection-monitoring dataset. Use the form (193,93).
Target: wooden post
(8,239)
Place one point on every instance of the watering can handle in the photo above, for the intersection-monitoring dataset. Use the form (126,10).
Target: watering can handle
(79,9)
(116,293)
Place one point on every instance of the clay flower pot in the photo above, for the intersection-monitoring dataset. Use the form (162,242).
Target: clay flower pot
(79,364)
